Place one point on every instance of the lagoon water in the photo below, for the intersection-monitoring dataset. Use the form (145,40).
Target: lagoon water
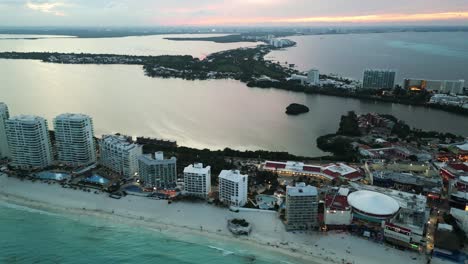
(434,56)
(136,45)
(215,113)
(35,236)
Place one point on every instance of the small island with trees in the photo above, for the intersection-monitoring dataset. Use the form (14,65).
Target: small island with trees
(296,109)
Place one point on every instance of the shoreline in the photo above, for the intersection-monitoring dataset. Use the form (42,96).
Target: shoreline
(169,229)
(268,232)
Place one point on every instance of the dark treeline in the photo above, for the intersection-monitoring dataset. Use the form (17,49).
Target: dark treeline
(217,159)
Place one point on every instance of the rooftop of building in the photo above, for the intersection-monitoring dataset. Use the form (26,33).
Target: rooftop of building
(337,202)
(407,201)
(464,179)
(374,203)
(156,157)
(457,167)
(26,118)
(380,70)
(463,147)
(301,190)
(406,178)
(197,168)
(330,171)
(118,140)
(232,175)
(72,116)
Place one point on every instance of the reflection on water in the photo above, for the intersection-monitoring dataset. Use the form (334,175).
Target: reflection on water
(212,114)
(139,45)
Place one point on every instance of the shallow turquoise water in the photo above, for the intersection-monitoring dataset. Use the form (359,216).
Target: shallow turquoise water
(34,236)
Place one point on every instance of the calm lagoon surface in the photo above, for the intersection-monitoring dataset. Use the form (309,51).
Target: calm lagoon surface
(135,45)
(434,55)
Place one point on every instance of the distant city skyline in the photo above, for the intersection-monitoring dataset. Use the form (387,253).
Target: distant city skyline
(231,13)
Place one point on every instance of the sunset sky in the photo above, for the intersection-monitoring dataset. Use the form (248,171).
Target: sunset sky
(231,12)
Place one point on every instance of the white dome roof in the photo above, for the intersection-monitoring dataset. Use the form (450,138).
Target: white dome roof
(373,203)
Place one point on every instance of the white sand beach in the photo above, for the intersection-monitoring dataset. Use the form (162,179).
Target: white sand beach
(206,220)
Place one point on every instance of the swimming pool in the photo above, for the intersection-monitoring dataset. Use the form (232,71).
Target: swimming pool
(50,175)
(265,201)
(97,179)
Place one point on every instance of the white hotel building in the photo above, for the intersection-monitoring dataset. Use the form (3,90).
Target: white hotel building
(29,142)
(74,139)
(233,187)
(4,115)
(155,171)
(301,207)
(120,155)
(197,180)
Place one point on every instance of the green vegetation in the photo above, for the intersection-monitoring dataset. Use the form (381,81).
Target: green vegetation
(267,177)
(404,131)
(340,143)
(218,159)
(339,146)
(296,109)
(349,125)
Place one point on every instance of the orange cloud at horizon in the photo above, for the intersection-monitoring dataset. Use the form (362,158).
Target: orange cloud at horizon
(463,15)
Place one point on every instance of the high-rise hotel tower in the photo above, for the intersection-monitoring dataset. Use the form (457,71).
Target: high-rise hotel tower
(74,139)
(29,142)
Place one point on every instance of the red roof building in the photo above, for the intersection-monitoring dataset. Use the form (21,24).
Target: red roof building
(329,172)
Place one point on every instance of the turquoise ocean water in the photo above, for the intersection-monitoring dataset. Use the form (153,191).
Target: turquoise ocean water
(34,236)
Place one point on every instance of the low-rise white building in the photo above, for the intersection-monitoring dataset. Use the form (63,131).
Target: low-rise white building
(301,78)
(301,207)
(120,155)
(233,188)
(197,180)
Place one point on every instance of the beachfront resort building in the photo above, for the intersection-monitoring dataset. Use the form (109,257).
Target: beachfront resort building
(29,142)
(119,154)
(4,115)
(197,180)
(74,139)
(301,207)
(378,79)
(233,188)
(155,171)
